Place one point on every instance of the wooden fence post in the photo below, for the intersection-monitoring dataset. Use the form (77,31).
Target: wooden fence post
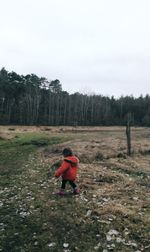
(128,134)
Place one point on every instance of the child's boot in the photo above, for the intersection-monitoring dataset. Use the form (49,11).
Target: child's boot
(76,191)
(61,192)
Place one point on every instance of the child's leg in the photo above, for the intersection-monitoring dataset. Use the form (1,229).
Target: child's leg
(74,187)
(63,184)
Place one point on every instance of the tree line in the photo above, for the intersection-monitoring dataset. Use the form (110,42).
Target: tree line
(32,100)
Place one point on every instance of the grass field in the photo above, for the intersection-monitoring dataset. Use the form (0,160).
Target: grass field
(112,212)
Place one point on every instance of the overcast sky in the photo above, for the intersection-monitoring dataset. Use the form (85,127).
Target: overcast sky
(91,46)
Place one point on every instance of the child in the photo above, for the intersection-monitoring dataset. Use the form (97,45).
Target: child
(68,171)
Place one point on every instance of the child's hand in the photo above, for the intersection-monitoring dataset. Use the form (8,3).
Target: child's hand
(55,175)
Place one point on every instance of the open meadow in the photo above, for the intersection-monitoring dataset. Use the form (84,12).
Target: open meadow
(112,212)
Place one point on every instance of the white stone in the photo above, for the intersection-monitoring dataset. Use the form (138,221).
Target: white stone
(52,244)
(66,245)
(88,214)
(1,204)
(98,245)
(118,240)
(135,198)
(113,232)
(108,237)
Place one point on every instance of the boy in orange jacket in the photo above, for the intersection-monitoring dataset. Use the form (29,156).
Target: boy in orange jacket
(68,170)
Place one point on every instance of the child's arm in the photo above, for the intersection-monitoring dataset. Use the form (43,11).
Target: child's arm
(61,169)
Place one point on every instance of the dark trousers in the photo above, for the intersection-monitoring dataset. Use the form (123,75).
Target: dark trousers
(64,181)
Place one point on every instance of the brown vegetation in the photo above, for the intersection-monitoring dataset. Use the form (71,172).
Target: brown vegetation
(114,187)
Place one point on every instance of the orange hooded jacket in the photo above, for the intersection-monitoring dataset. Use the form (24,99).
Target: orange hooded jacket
(68,169)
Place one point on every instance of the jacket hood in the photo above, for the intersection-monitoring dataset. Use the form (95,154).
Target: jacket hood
(72,159)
